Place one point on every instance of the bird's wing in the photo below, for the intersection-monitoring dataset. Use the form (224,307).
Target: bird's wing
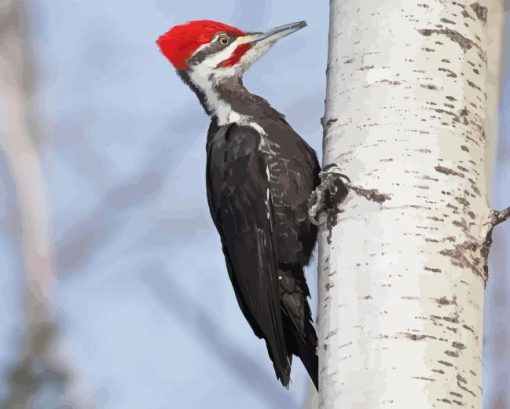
(239,194)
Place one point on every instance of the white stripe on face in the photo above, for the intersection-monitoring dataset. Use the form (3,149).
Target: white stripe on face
(214,60)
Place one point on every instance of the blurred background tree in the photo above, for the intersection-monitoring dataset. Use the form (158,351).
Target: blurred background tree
(41,376)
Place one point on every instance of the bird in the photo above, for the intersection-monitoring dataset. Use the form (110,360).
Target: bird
(259,176)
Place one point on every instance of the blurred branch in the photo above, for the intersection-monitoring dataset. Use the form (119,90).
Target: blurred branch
(248,372)
(41,364)
(15,27)
(92,231)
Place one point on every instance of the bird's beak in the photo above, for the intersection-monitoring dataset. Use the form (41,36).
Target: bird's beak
(274,34)
(261,42)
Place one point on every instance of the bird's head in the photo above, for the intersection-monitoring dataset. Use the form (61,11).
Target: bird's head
(208,50)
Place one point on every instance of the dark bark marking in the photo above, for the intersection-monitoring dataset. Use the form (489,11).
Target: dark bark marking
(436,219)
(332,333)
(464,114)
(458,345)
(450,73)
(480,11)
(446,301)
(465,14)
(464,42)
(423,378)
(461,381)
(473,85)
(454,319)
(474,187)
(448,171)
(465,255)
(415,337)
(345,345)
(391,82)
(433,270)
(328,123)
(468,328)
(463,202)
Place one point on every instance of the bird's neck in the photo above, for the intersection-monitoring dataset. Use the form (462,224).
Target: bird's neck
(226,100)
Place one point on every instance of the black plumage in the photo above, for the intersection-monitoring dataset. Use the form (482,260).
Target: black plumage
(260,175)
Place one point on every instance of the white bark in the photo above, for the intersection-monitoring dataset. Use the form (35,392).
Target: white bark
(410,114)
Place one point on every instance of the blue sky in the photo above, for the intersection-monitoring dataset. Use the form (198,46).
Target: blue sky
(144,299)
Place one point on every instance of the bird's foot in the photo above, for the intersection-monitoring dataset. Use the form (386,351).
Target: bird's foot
(327,197)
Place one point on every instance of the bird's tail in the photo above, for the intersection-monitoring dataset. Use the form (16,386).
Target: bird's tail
(305,349)
(282,369)
(310,360)
(300,336)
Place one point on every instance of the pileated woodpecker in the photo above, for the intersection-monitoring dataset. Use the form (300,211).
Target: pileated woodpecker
(260,174)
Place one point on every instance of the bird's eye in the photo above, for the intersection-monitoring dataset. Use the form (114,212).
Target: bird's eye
(223,40)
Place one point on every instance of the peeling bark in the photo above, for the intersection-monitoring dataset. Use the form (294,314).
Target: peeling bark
(410,112)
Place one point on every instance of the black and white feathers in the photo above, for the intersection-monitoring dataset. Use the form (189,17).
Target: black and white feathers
(260,174)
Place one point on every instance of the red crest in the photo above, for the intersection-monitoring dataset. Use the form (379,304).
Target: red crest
(180,42)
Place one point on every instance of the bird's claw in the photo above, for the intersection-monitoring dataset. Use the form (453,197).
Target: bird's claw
(329,194)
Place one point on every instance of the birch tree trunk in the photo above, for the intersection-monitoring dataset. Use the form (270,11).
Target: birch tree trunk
(410,118)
